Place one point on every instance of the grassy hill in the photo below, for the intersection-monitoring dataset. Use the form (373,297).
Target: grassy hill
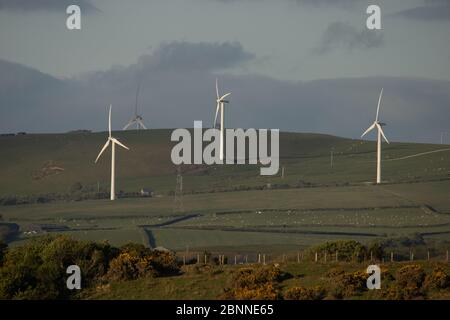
(229,207)
(33,164)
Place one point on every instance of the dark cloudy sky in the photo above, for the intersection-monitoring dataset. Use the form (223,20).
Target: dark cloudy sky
(297,65)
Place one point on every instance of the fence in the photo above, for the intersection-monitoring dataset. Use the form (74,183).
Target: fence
(299,257)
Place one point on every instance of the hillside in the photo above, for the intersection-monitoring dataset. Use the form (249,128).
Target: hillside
(39,164)
(225,207)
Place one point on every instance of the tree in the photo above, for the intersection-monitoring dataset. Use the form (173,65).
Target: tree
(37,270)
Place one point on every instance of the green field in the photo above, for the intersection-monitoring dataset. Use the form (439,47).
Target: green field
(225,206)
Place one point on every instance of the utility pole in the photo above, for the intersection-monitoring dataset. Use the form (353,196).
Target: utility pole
(332,157)
(178,197)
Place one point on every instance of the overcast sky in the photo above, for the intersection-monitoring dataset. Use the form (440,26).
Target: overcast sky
(297,65)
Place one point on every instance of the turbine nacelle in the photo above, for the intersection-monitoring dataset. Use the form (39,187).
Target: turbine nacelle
(377,124)
(111,139)
(220,102)
(137,119)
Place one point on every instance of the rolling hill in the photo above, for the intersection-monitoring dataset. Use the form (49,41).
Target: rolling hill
(228,207)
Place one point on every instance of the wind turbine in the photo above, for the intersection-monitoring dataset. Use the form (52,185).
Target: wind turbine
(220,104)
(113,142)
(137,119)
(381,134)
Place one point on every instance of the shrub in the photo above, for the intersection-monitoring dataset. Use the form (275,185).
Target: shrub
(123,267)
(438,279)
(376,248)
(408,283)
(264,292)
(347,250)
(349,284)
(257,283)
(37,270)
(300,293)
(136,261)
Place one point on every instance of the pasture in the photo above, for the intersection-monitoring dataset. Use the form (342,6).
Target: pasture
(228,206)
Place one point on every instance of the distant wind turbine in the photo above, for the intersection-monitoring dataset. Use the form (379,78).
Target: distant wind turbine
(378,125)
(137,119)
(220,105)
(113,142)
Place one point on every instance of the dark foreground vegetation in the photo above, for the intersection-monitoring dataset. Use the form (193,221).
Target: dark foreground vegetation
(37,270)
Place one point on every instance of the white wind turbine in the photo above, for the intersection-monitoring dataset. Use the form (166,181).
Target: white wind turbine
(137,119)
(379,126)
(220,104)
(113,142)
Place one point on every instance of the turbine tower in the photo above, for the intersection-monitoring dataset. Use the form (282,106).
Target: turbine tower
(113,142)
(137,119)
(220,105)
(381,134)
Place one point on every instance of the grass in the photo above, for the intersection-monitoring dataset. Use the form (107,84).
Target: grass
(341,204)
(208,282)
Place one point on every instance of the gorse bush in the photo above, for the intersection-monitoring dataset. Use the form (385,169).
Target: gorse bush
(438,279)
(408,284)
(259,283)
(348,250)
(136,261)
(348,284)
(300,293)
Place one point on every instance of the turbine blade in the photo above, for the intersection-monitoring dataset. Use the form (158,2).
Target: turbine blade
(128,124)
(142,124)
(109,123)
(119,143)
(224,96)
(103,150)
(369,129)
(378,107)
(217,113)
(217,88)
(382,133)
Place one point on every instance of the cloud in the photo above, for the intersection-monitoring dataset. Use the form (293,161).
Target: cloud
(344,36)
(315,3)
(335,3)
(432,10)
(173,96)
(45,5)
(195,56)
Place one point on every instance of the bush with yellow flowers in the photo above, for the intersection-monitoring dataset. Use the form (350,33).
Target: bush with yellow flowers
(137,261)
(408,284)
(349,284)
(258,283)
(301,293)
(438,279)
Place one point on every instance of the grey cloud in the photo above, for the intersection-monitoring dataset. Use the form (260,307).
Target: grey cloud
(344,36)
(414,109)
(321,3)
(195,56)
(45,5)
(432,10)
(315,3)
